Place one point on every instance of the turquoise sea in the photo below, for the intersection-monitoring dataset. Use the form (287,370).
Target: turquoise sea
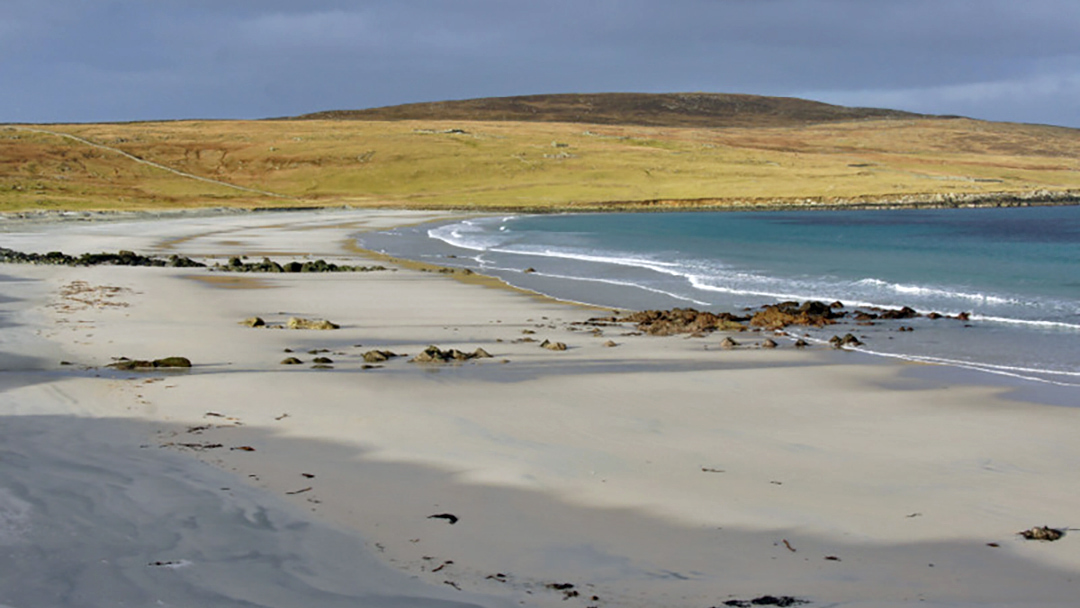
(1015,270)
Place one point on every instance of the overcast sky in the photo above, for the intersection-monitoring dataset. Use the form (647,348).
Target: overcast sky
(106,60)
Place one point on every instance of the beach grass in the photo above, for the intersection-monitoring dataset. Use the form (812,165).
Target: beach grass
(524,165)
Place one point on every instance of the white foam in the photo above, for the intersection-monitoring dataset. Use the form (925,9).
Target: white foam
(14,518)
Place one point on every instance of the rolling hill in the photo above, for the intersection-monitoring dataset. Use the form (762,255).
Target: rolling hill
(690,110)
(538,153)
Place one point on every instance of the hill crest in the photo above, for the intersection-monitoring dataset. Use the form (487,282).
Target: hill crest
(700,110)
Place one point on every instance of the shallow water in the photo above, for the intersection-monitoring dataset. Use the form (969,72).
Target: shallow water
(1016,271)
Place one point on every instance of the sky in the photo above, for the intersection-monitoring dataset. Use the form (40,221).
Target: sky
(120,60)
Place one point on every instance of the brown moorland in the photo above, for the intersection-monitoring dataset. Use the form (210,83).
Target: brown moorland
(759,152)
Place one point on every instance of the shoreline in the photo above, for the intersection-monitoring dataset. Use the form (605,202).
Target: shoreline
(957,200)
(658,471)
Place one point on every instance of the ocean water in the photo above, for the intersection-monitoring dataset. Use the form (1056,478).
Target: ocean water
(1016,271)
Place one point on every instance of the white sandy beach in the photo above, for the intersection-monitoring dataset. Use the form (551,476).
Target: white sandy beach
(660,472)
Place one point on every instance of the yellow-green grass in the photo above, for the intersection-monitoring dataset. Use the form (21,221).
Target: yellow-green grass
(524,165)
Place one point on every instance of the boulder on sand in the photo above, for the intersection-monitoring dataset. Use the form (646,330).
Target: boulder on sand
(548,344)
(124,363)
(300,323)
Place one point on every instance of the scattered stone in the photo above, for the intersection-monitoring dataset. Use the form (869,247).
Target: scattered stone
(299,323)
(253,322)
(322,360)
(769,343)
(800,343)
(1044,533)
(291,361)
(729,343)
(557,346)
(611,344)
(480,353)
(322,366)
(449,517)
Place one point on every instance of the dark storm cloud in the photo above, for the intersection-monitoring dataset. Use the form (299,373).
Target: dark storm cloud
(101,60)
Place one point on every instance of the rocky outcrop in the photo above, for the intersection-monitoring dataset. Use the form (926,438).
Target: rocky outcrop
(677,321)
(434,354)
(237,264)
(121,258)
(811,313)
(123,363)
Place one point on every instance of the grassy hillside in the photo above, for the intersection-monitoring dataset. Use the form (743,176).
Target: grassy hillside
(527,165)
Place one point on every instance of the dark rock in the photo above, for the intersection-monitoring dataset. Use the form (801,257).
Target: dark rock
(729,343)
(800,343)
(449,517)
(322,360)
(253,322)
(124,363)
(679,321)
(904,313)
(434,354)
(777,316)
(172,362)
(767,600)
(378,356)
(847,340)
(1044,533)
(121,258)
(769,343)
(291,361)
